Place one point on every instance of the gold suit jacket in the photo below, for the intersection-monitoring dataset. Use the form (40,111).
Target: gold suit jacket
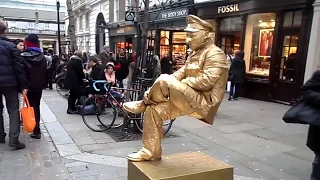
(206,72)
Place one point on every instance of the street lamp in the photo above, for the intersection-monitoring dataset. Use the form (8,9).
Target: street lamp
(58,18)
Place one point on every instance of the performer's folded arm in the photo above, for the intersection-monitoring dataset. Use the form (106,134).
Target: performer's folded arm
(214,66)
(180,74)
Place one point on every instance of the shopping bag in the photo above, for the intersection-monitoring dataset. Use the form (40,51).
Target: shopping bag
(27,115)
(302,113)
(228,86)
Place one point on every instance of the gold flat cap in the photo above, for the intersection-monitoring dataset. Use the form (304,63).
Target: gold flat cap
(195,24)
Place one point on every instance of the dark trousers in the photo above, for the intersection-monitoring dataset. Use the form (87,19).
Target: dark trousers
(73,97)
(12,104)
(49,78)
(235,90)
(34,98)
(316,168)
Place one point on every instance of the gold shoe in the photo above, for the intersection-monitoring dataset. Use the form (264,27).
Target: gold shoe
(135,107)
(138,157)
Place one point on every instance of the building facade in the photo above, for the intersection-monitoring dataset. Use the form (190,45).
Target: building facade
(90,23)
(25,17)
(273,36)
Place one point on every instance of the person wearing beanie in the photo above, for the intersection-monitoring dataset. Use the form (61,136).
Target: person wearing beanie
(36,75)
(12,81)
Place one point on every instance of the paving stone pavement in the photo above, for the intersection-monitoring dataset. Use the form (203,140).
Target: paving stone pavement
(247,134)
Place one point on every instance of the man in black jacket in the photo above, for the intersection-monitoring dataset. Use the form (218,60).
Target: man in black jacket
(12,80)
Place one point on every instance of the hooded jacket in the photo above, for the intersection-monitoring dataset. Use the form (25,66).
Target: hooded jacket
(12,73)
(36,69)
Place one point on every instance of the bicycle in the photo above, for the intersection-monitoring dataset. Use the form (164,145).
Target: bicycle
(60,86)
(108,100)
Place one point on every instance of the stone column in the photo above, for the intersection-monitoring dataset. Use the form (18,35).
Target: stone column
(57,47)
(313,61)
(41,44)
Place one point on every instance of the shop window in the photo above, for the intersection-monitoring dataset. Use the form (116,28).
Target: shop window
(258,43)
(292,19)
(288,58)
(164,43)
(30,25)
(179,49)
(231,24)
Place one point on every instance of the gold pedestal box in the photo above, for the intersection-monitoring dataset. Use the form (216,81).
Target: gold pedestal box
(183,166)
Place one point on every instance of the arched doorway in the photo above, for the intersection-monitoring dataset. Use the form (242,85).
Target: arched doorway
(100,33)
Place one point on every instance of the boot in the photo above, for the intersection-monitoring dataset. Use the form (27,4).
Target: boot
(135,107)
(3,138)
(35,135)
(17,144)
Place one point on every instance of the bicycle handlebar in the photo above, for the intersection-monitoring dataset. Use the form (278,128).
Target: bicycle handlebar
(105,83)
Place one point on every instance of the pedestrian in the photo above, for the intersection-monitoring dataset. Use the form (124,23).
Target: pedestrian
(104,55)
(84,60)
(123,72)
(73,80)
(311,95)
(166,64)
(50,70)
(36,70)
(237,74)
(12,79)
(20,44)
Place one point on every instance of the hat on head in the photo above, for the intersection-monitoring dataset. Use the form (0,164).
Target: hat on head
(32,40)
(110,64)
(196,24)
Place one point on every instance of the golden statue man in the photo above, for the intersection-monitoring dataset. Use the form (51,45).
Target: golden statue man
(196,89)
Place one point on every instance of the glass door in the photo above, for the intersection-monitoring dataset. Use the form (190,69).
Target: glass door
(227,41)
(286,62)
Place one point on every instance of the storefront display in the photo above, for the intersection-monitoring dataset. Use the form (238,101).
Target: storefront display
(273,38)
(258,43)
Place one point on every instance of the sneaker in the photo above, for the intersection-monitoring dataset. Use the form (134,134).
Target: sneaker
(230,99)
(69,111)
(35,136)
(17,145)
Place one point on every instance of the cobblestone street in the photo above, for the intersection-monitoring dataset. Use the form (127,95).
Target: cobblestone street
(247,134)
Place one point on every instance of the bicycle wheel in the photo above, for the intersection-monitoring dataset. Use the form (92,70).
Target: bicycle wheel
(60,88)
(107,114)
(91,109)
(166,124)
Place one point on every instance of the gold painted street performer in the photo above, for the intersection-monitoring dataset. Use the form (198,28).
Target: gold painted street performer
(196,89)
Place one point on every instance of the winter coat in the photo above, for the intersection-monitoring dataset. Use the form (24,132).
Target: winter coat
(36,69)
(237,70)
(123,72)
(104,57)
(166,65)
(97,72)
(311,95)
(12,72)
(75,74)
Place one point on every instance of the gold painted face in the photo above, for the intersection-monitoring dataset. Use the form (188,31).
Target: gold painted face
(196,39)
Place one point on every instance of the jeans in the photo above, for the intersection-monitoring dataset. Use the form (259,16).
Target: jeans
(12,104)
(315,175)
(235,90)
(120,84)
(73,97)
(34,98)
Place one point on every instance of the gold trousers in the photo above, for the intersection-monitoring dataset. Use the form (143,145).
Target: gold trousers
(168,94)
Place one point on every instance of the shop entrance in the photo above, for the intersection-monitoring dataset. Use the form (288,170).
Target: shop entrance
(230,40)
(285,76)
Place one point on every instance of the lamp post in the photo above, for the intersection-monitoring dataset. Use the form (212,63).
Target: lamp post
(58,18)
